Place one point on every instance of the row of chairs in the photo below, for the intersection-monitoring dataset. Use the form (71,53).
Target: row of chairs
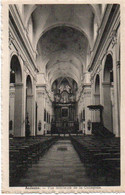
(101,156)
(24,152)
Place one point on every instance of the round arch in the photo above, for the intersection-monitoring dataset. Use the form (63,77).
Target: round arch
(103,60)
(67,75)
(32,8)
(67,25)
(108,69)
(15,99)
(15,70)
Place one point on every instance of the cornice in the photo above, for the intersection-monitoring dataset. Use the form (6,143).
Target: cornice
(108,25)
(19,30)
(13,41)
(100,33)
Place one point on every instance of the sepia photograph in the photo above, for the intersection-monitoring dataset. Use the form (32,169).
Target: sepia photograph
(64,95)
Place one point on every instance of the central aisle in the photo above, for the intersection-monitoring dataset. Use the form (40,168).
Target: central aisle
(60,166)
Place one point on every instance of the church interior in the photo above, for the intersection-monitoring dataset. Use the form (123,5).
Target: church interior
(64,95)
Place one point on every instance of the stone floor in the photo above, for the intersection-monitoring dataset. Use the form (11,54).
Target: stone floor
(60,166)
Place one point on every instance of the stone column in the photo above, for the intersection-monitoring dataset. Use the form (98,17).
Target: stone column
(19,111)
(96,112)
(116,74)
(46,115)
(87,102)
(92,99)
(45,123)
(40,110)
(30,106)
(118,93)
(118,78)
(34,110)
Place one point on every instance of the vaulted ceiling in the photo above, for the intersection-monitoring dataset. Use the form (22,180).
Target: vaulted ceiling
(63,49)
(63,36)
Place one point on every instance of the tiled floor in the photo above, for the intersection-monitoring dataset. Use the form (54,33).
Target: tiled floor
(60,166)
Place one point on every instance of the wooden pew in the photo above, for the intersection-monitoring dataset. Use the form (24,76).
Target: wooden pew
(24,152)
(100,156)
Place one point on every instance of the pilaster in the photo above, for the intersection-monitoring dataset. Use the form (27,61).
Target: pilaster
(19,113)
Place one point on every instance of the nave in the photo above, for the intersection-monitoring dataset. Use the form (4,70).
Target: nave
(64,94)
(71,161)
(60,166)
